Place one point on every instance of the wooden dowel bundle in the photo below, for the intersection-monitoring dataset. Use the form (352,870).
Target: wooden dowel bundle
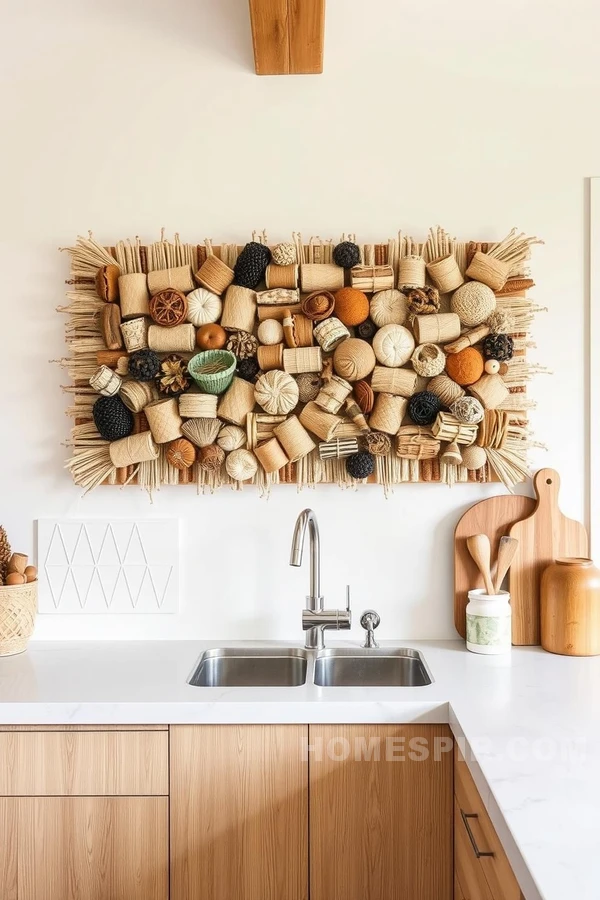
(372,278)
(260,427)
(448,428)
(339,448)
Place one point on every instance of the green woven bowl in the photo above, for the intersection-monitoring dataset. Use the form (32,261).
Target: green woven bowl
(213,370)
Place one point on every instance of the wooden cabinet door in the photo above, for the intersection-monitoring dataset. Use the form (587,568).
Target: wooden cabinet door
(92,848)
(8,848)
(239,812)
(380,812)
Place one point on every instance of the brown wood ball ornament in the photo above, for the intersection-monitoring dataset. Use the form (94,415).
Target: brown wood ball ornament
(211,337)
(168,308)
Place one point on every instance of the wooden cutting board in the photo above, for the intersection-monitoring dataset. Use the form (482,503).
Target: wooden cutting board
(494,517)
(543,536)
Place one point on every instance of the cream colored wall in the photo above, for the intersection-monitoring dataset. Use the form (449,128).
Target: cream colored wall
(124,116)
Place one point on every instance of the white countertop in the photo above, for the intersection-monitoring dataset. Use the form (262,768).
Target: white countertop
(531,721)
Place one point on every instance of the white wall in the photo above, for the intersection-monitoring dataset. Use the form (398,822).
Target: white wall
(124,116)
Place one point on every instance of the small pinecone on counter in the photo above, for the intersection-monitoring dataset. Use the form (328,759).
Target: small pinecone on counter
(5,554)
(251,265)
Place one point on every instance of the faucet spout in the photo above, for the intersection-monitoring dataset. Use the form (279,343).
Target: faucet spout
(308,520)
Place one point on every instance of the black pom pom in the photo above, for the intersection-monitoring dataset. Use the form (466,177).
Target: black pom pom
(112,418)
(251,265)
(361,464)
(424,407)
(498,346)
(367,330)
(248,369)
(346,255)
(144,365)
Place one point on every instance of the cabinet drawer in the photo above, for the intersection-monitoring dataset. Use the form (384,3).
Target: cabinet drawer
(470,881)
(83,763)
(495,867)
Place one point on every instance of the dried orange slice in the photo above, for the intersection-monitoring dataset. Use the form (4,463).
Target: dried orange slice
(168,307)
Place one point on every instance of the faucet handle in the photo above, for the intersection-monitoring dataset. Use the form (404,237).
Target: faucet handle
(348,607)
(369,620)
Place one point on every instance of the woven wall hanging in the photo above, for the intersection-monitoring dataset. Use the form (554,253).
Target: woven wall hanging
(329,363)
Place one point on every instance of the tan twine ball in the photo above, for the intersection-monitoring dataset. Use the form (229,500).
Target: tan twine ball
(276,392)
(393,345)
(473,457)
(241,465)
(354,359)
(377,443)
(309,385)
(270,332)
(284,254)
(468,410)
(447,390)
(231,437)
(389,308)
(473,303)
(428,360)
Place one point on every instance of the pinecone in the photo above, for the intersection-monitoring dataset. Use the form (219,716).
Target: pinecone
(346,254)
(144,365)
(5,554)
(498,346)
(112,418)
(242,344)
(251,264)
(173,378)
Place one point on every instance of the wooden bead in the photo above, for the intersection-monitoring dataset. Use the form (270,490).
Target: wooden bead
(492,366)
(30,574)
(15,578)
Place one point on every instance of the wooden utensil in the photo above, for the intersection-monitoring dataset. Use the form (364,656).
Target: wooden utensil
(543,536)
(481,551)
(506,552)
(494,517)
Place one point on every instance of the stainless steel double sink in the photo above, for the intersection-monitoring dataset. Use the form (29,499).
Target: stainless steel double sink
(229,667)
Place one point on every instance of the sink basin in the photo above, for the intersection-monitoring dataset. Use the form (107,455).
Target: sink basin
(371,667)
(256,667)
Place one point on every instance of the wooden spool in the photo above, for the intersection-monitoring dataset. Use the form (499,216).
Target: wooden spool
(303,330)
(294,438)
(136,395)
(488,270)
(319,422)
(164,420)
(106,382)
(214,275)
(302,359)
(270,356)
(281,276)
(388,412)
(436,329)
(133,291)
(490,390)
(372,278)
(411,273)
(111,358)
(178,339)
(179,278)
(271,456)
(198,406)
(277,312)
(236,402)
(330,333)
(332,394)
(400,382)
(445,273)
(260,427)
(321,277)
(239,309)
(135,334)
(130,451)
(416,442)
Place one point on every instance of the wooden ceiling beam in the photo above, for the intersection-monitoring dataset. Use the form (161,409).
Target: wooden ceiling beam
(287,36)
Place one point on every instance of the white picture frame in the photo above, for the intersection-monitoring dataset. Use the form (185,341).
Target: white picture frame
(594,367)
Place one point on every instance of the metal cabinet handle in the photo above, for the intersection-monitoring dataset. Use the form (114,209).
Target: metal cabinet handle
(478,853)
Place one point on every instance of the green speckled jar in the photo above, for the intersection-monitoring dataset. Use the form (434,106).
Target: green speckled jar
(489,622)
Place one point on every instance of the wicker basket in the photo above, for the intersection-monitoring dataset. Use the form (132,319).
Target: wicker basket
(213,370)
(18,607)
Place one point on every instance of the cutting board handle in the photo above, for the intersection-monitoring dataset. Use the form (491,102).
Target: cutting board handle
(547,485)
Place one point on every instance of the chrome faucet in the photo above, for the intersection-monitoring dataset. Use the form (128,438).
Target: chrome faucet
(315,618)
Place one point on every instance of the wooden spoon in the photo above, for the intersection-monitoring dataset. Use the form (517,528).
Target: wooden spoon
(480,549)
(506,552)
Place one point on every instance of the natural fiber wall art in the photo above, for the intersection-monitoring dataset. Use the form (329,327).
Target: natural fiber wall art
(306,364)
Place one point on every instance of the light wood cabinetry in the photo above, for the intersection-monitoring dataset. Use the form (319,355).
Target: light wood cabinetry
(239,812)
(380,813)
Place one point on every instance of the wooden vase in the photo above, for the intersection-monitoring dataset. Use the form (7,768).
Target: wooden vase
(570,608)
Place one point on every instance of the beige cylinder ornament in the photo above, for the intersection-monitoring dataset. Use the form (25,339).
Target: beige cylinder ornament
(302,359)
(330,333)
(271,456)
(178,339)
(239,309)
(333,393)
(445,273)
(133,291)
(490,271)
(294,438)
(270,356)
(411,272)
(136,395)
(400,382)
(388,412)
(130,451)
(135,334)
(237,402)
(198,406)
(278,297)
(281,276)
(436,329)
(319,422)
(106,382)
(214,275)
(321,277)
(179,278)
(490,390)
(164,420)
